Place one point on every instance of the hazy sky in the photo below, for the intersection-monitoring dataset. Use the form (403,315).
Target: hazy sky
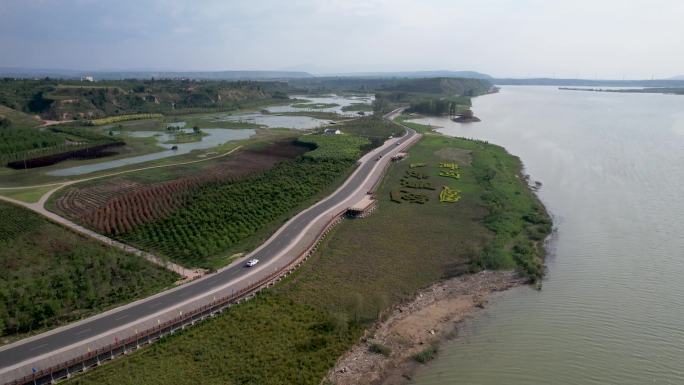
(521,38)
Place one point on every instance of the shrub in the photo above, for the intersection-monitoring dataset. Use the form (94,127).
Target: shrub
(426,354)
(378,348)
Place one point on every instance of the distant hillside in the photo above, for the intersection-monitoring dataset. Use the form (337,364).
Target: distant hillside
(31,73)
(65,100)
(681,77)
(418,74)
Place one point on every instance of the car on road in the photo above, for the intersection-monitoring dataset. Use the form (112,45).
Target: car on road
(252,262)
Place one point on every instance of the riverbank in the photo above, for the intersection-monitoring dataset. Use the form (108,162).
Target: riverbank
(409,334)
(390,351)
(295,332)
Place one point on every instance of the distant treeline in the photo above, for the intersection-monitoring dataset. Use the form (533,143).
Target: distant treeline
(438,85)
(88,152)
(446,106)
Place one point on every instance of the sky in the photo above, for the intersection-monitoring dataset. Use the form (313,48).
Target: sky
(608,39)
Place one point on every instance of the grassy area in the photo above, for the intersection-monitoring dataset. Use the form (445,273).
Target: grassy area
(16,118)
(187,137)
(315,106)
(421,128)
(28,195)
(50,276)
(35,176)
(373,128)
(121,118)
(216,217)
(334,147)
(363,267)
(365,107)
(238,348)
(313,114)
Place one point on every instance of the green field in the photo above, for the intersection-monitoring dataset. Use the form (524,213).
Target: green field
(50,276)
(13,118)
(217,217)
(363,267)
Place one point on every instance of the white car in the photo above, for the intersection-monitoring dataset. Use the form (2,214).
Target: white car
(252,262)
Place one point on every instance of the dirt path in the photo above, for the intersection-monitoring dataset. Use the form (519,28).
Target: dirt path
(415,326)
(51,122)
(39,208)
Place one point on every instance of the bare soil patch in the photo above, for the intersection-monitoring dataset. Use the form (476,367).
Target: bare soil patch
(432,316)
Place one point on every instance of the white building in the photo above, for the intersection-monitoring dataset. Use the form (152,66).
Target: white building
(332,131)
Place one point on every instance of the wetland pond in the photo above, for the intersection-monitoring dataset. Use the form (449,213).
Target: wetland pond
(214,137)
(611,310)
(218,136)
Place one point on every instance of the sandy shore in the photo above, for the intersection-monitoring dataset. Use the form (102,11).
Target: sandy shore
(412,327)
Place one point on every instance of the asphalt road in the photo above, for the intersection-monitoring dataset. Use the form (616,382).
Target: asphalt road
(23,352)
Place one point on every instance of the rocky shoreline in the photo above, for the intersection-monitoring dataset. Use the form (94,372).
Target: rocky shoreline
(386,355)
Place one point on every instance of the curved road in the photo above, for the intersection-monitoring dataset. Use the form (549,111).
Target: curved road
(290,241)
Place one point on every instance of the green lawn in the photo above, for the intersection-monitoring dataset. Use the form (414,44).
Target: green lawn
(294,333)
(28,195)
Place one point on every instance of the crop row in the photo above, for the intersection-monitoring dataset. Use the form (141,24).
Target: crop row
(217,215)
(123,213)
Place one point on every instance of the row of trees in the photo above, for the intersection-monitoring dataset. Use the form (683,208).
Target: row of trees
(24,144)
(444,106)
(218,215)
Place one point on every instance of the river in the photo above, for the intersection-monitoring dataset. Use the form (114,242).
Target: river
(611,310)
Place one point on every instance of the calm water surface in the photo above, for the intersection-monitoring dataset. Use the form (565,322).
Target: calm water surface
(218,136)
(612,307)
(214,137)
(340,100)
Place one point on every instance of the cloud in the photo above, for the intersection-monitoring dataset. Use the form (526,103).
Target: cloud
(609,38)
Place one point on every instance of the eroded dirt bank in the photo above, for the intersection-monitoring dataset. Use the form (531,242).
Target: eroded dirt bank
(412,327)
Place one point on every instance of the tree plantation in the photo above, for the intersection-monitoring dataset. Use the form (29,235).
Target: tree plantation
(50,276)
